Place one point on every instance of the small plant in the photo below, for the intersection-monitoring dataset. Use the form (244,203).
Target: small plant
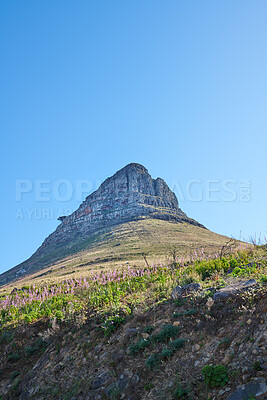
(187,313)
(215,375)
(112,323)
(13,357)
(6,337)
(38,345)
(166,353)
(167,332)
(180,392)
(149,329)
(179,302)
(140,345)
(14,374)
(147,387)
(178,343)
(257,366)
(224,343)
(152,361)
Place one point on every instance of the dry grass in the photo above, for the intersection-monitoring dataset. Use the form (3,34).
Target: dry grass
(126,244)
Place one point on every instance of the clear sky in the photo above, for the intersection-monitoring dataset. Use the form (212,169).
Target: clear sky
(87,87)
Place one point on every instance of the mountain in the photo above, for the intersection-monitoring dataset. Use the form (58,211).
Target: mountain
(129,198)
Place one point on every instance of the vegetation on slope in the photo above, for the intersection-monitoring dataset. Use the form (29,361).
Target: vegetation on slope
(131,242)
(74,328)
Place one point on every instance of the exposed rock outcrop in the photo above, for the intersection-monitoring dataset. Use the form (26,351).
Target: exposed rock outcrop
(128,195)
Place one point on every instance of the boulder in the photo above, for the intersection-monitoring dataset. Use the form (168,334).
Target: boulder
(234,289)
(180,291)
(255,388)
(101,380)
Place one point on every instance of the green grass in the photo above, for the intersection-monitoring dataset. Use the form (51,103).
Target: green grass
(115,300)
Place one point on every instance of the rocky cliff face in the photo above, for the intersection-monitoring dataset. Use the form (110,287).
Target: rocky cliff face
(128,195)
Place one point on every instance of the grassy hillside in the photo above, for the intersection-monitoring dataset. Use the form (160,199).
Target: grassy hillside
(146,241)
(120,334)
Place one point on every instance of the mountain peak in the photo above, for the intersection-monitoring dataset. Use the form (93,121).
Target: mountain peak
(128,195)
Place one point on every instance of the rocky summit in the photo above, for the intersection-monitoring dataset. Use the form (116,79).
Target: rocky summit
(129,195)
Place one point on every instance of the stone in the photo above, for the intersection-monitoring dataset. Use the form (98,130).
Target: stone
(180,291)
(234,289)
(100,380)
(131,332)
(117,387)
(227,359)
(176,323)
(195,347)
(256,387)
(209,303)
(145,335)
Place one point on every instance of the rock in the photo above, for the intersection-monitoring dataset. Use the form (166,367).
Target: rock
(233,290)
(117,387)
(195,347)
(122,382)
(255,388)
(145,335)
(135,379)
(100,380)
(227,359)
(180,291)
(209,303)
(129,194)
(176,323)
(131,332)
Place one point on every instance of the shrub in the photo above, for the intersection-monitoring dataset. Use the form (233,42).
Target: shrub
(13,357)
(178,343)
(166,353)
(187,313)
(152,361)
(180,392)
(167,332)
(112,323)
(38,345)
(237,271)
(148,329)
(215,375)
(14,374)
(6,337)
(140,345)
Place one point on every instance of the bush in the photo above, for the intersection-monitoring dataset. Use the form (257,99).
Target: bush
(140,345)
(167,332)
(166,353)
(6,337)
(13,357)
(178,343)
(148,329)
(14,374)
(215,375)
(38,345)
(112,323)
(180,392)
(152,361)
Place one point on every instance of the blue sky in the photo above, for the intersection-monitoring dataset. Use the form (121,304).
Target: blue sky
(87,87)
